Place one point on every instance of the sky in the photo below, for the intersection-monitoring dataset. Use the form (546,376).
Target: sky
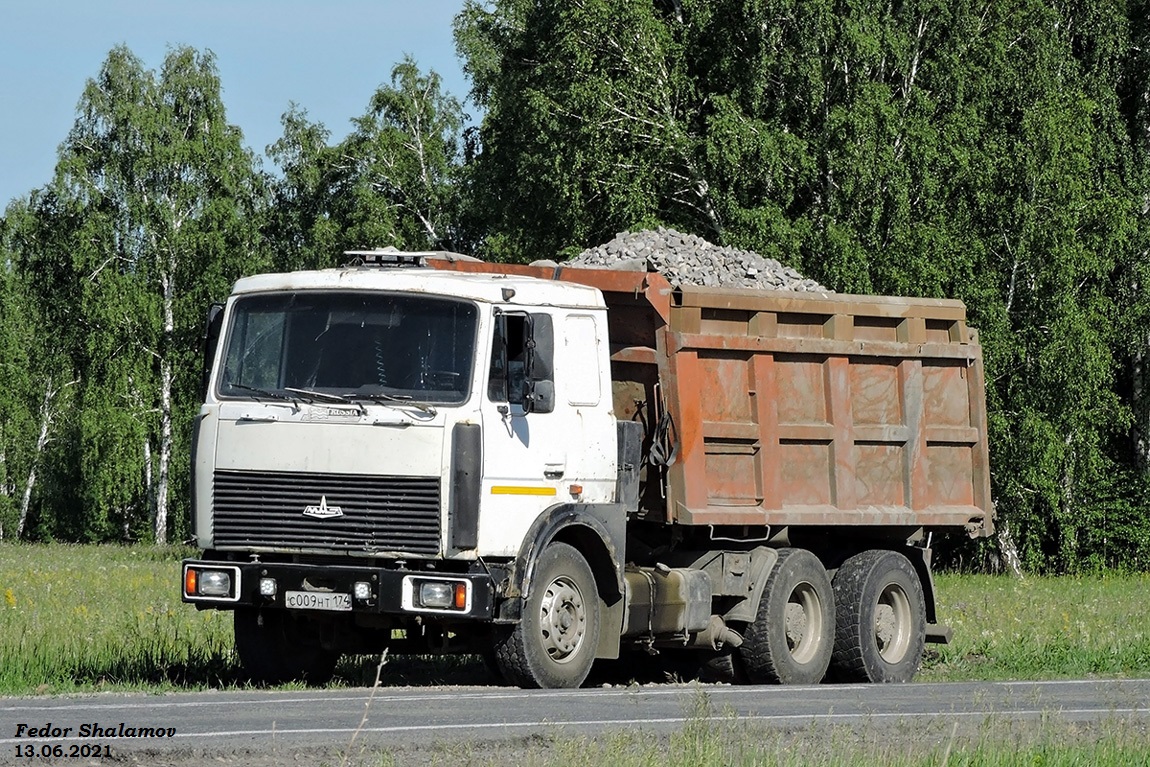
(327,56)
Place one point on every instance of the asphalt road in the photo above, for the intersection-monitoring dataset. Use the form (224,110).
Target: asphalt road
(253,722)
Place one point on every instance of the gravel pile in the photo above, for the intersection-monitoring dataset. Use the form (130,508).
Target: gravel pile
(687,259)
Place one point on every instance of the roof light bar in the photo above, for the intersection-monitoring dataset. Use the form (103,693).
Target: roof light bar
(386,257)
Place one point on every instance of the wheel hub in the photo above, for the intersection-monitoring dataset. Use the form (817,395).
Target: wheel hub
(803,623)
(892,623)
(796,623)
(563,619)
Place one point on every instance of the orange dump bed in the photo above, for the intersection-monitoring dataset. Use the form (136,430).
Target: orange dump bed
(796,409)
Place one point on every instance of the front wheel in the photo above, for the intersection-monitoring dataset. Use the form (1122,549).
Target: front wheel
(881,619)
(791,638)
(555,641)
(275,647)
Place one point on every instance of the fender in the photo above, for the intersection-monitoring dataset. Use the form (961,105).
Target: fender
(598,531)
(935,632)
(763,561)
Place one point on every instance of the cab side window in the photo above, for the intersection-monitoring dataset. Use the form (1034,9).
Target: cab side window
(507,378)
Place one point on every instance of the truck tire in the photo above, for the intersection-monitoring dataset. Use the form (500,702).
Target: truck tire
(792,636)
(881,619)
(274,649)
(555,641)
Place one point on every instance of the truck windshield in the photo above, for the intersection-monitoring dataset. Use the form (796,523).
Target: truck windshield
(368,345)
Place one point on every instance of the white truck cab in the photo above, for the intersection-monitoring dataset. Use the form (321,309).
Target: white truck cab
(378,442)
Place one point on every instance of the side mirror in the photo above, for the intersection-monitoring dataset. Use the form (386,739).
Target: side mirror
(540,364)
(540,397)
(212,327)
(540,347)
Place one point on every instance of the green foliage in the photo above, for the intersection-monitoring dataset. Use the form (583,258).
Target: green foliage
(993,151)
(585,130)
(392,181)
(17,420)
(299,222)
(153,212)
(36,386)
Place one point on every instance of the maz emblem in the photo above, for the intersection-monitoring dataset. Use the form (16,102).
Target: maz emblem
(323,511)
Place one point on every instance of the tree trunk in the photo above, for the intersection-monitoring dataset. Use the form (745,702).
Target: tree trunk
(149,487)
(161,527)
(165,457)
(5,488)
(41,443)
(1009,551)
(1141,407)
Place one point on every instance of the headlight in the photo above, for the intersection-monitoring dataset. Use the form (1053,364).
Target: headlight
(211,582)
(436,594)
(215,583)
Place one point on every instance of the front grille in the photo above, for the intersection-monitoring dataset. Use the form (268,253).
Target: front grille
(266,508)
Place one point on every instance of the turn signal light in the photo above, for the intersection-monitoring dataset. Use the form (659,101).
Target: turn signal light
(422,593)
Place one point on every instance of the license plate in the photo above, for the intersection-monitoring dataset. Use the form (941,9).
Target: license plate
(310,600)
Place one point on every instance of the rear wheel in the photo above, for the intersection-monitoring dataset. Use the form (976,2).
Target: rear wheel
(791,638)
(275,647)
(881,620)
(555,641)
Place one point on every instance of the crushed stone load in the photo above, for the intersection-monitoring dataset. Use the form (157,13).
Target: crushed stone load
(687,259)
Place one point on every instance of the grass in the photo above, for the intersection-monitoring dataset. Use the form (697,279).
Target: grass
(704,742)
(83,618)
(104,617)
(721,739)
(1041,628)
(80,618)
(75,618)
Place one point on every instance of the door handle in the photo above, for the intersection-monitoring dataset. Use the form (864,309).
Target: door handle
(262,418)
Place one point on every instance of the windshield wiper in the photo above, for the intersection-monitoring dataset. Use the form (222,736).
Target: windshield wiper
(399,401)
(263,392)
(327,397)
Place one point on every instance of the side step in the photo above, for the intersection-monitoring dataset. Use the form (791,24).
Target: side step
(938,634)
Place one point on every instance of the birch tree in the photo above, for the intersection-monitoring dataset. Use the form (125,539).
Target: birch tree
(153,210)
(38,383)
(46,416)
(394,180)
(15,414)
(302,224)
(404,150)
(588,124)
(990,151)
(1136,109)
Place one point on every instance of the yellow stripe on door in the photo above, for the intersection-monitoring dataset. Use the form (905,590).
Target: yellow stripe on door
(521,490)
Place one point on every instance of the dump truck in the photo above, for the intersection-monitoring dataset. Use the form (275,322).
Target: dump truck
(547,466)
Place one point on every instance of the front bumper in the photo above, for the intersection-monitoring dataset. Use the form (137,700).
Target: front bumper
(388,591)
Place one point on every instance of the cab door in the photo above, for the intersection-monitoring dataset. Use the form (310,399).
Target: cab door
(529,435)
